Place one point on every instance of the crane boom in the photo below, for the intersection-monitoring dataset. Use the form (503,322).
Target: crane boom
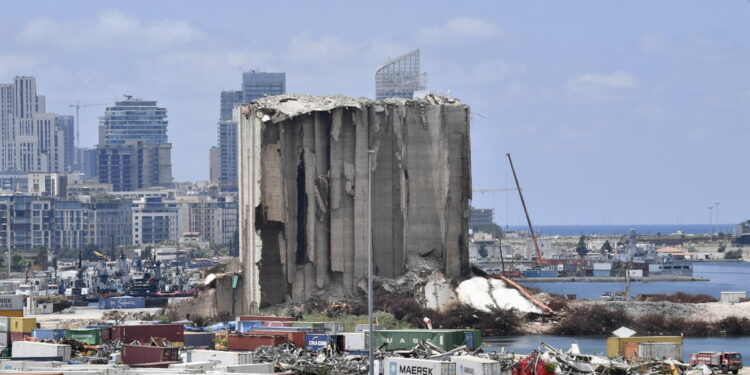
(492,190)
(78,106)
(539,259)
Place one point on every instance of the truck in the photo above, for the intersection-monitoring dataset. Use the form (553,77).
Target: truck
(722,361)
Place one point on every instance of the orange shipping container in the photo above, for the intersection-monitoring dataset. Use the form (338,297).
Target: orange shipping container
(12,313)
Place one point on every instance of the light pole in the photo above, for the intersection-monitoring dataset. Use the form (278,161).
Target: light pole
(710,220)
(717,218)
(369,263)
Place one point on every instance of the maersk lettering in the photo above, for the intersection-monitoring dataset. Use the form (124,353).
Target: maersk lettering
(414,370)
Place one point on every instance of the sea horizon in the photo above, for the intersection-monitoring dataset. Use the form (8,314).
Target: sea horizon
(621,229)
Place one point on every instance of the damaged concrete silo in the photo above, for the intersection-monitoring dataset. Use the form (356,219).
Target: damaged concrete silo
(304,185)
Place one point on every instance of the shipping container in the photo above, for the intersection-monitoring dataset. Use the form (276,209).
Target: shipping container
(163,364)
(144,333)
(12,313)
(18,336)
(135,354)
(30,349)
(366,327)
(200,339)
(25,325)
(471,365)
(253,341)
(122,303)
(223,357)
(295,337)
(317,341)
(616,345)
(48,334)
(270,323)
(250,368)
(268,318)
(446,339)
(244,326)
(354,342)
(411,366)
(473,338)
(91,336)
(4,324)
(5,338)
(660,350)
(288,329)
(11,302)
(602,273)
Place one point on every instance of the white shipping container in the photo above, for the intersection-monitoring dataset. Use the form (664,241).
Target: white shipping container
(411,366)
(4,324)
(252,368)
(603,266)
(471,365)
(193,366)
(223,357)
(660,350)
(354,341)
(732,297)
(4,338)
(30,349)
(11,302)
(635,273)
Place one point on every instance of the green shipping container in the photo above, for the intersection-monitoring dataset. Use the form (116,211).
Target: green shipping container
(309,325)
(91,336)
(446,339)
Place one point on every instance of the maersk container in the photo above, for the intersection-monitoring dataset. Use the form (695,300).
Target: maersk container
(316,341)
(223,357)
(91,336)
(48,334)
(13,302)
(471,365)
(411,366)
(122,303)
(446,339)
(30,349)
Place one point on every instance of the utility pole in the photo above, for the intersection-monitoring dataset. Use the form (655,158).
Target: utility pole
(371,340)
(717,218)
(710,220)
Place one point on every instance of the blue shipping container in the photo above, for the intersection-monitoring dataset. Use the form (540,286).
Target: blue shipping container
(48,334)
(244,326)
(602,273)
(122,303)
(316,341)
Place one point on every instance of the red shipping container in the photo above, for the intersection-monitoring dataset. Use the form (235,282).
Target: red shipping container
(298,338)
(106,333)
(143,334)
(268,318)
(135,354)
(253,341)
(18,336)
(164,364)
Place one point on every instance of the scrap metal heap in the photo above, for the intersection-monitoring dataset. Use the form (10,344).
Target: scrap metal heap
(303,164)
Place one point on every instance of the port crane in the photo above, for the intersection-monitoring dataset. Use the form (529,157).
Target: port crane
(78,106)
(539,259)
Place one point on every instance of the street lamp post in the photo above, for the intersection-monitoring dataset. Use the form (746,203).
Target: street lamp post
(710,220)
(369,264)
(717,218)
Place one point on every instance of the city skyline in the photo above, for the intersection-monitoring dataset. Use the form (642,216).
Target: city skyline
(606,123)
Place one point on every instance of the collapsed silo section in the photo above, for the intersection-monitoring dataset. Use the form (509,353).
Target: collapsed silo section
(303,180)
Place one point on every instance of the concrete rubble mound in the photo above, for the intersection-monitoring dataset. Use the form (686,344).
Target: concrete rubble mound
(303,164)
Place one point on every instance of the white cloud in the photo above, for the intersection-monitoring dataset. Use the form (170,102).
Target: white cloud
(593,81)
(114,29)
(305,48)
(13,65)
(458,29)
(211,62)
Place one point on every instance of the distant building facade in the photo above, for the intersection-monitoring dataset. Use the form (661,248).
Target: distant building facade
(30,139)
(133,151)
(481,217)
(66,123)
(400,77)
(254,85)
(154,221)
(213,165)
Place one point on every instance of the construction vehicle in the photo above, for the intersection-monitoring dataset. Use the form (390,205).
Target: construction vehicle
(539,259)
(722,361)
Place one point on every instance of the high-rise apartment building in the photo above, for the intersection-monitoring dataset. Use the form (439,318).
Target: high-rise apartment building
(30,138)
(213,165)
(66,123)
(133,151)
(399,77)
(254,85)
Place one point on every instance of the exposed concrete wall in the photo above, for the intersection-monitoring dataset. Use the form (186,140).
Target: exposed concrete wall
(303,178)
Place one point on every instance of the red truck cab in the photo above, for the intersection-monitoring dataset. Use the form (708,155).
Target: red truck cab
(722,361)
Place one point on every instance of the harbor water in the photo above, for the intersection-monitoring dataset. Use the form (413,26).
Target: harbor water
(723,276)
(598,345)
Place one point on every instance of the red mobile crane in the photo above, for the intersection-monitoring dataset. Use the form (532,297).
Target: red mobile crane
(539,259)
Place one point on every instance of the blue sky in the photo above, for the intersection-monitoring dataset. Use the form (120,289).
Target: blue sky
(615,112)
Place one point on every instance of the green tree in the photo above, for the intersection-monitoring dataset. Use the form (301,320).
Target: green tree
(483,251)
(581,248)
(606,247)
(733,254)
